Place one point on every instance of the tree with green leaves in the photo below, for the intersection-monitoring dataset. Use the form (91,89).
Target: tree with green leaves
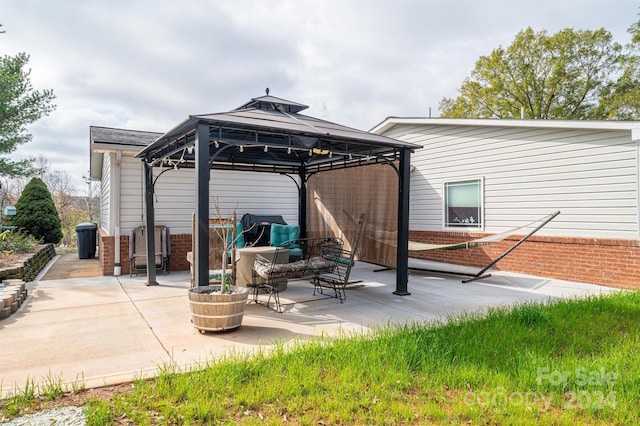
(626,92)
(20,105)
(573,75)
(36,213)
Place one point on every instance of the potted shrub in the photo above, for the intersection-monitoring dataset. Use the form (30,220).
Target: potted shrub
(220,307)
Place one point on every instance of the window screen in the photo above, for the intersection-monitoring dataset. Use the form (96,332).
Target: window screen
(463,204)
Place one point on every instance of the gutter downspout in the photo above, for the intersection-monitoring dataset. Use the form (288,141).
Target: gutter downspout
(117,269)
(638,188)
(635,137)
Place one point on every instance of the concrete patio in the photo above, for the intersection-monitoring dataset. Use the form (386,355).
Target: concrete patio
(107,330)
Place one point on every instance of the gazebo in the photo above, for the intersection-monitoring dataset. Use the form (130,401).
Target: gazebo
(268,134)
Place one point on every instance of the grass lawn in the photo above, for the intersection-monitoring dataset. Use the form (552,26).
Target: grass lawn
(570,362)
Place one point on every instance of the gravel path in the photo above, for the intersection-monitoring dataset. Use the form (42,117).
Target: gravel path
(63,416)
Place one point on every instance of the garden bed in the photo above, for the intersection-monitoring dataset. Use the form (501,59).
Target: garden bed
(26,266)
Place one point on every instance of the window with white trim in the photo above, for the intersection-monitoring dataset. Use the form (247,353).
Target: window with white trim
(463,204)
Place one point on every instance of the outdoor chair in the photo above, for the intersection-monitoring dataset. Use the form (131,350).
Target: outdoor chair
(238,241)
(336,278)
(138,250)
(217,229)
(318,255)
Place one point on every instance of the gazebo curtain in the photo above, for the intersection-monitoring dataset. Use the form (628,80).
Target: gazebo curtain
(336,200)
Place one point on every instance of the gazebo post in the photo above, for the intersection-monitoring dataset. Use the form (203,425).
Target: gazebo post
(150,225)
(302,202)
(402,255)
(203,173)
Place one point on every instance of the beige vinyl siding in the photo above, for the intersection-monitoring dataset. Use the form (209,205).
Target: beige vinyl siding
(591,176)
(175,195)
(105,193)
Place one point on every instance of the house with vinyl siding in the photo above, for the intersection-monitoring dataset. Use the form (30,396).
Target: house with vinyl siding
(476,177)
(472,178)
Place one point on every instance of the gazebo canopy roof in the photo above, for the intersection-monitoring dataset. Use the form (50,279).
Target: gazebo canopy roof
(269,134)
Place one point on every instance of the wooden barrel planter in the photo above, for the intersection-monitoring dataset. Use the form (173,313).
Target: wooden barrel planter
(214,311)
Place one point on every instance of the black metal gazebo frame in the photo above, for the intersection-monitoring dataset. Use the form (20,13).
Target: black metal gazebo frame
(267,134)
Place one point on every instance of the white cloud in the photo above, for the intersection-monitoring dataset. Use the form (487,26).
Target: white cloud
(146,65)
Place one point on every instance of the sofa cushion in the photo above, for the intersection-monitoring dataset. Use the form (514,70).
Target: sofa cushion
(281,233)
(267,270)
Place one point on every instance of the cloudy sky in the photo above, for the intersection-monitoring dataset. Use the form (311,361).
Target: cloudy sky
(147,64)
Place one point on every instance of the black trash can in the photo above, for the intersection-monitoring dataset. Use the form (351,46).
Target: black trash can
(86,234)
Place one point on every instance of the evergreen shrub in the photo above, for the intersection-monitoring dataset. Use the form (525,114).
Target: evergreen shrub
(36,214)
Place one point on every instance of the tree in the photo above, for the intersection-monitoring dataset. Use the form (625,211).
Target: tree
(20,105)
(569,75)
(36,213)
(40,167)
(66,203)
(91,198)
(625,94)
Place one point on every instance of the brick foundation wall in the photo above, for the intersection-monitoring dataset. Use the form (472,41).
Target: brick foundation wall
(106,252)
(180,245)
(610,262)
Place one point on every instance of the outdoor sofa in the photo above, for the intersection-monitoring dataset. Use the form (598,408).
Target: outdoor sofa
(321,260)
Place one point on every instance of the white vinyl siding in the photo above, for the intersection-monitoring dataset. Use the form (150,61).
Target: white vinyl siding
(105,193)
(591,176)
(131,194)
(175,195)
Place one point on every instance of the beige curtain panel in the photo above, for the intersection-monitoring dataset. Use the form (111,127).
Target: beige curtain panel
(336,200)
